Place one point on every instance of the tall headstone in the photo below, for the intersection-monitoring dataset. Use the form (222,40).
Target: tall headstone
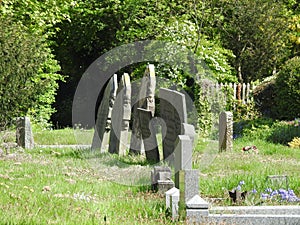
(148,135)
(24,136)
(188,186)
(225,131)
(103,121)
(146,100)
(183,156)
(173,112)
(121,114)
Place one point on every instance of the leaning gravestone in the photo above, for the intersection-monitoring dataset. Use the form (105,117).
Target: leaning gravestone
(225,131)
(173,112)
(121,114)
(103,121)
(24,136)
(148,135)
(146,100)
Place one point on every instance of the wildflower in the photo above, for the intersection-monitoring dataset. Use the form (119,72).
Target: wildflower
(242,182)
(268,190)
(238,188)
(264,196)
(254,191)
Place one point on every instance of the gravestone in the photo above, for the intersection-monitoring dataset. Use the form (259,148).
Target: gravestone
(148,135)
(146,100)
(103,121)
(121,114)
(225,131)
(173,112)
(188,186)
(161,179)
(24,136)
(183,156)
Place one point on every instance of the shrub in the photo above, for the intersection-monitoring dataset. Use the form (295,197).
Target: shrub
(287,90)
(28,79)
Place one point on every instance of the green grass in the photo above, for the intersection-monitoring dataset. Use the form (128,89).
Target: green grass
(63,186)
(67,136)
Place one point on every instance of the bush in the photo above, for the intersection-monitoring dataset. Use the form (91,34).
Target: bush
(287,90)
(28,79)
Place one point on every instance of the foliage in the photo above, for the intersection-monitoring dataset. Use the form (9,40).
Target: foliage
(255,30)
(287,89)
(267,129)
(295,143)
(28,80)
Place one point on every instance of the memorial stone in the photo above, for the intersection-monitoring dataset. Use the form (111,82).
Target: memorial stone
(24,136)
(148,135)
(121,114)
(103,121)
(173,112)
(146,100)
(225,131)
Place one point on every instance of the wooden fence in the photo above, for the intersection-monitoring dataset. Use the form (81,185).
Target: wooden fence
(240,92)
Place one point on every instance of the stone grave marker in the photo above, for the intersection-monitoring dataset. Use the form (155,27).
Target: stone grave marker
(183,156)
(225,131)
(121,114)
(148,135)
(24,136)
(173,112)
(103,121)
(146,100)
(188,186)
(161,179)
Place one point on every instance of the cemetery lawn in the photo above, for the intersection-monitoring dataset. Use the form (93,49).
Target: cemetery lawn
(58,186)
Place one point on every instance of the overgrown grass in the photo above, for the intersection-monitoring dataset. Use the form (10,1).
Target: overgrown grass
(61,186)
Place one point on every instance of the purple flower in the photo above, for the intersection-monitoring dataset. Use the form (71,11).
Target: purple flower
(264,196)
(242,182)
(274,193)
(238,188)
(268,190)
(282,191)
(254,191)
(284,196)
(291,192)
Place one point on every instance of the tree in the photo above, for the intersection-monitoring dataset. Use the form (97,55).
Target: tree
(28,70)
(255,30)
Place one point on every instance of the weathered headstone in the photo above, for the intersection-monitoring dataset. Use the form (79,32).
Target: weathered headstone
(161,179)
(173,112)
(24,136)
(148,135)
(225,131)
(183,156)
(103,121)
(146,100)
(121,114)
(188,186)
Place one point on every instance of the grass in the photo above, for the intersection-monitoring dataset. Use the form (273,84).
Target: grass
(67,136)
(65,186)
